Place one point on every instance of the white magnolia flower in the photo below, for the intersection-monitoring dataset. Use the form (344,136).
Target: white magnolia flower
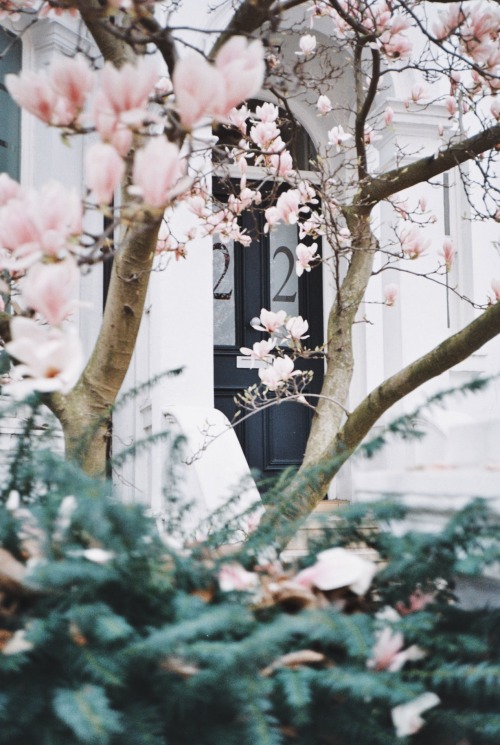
(324,105)
(98,555)
(17,643)
(233,577)
(51,358)
(337,567)
(406,717)
(337,136)
(307,45)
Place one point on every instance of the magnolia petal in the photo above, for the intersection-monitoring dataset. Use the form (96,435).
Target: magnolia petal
(406,717)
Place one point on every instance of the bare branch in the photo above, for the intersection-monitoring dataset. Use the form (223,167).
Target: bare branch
(376,189)
(450,352)
(248,18)
(312,481)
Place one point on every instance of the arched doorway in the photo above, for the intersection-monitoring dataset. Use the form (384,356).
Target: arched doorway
(247,279)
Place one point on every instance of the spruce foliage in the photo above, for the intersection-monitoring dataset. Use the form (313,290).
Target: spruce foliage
(109,635)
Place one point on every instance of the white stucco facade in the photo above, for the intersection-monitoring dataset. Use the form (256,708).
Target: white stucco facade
(177,324)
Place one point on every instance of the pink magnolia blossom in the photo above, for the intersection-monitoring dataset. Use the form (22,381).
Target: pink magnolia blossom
(203,89)
(395,46)
(264,134)
(495,107)
(272,216)
(418,93)
(281,370)
(104,169)
(337,137)
(324,105)
(242,67)
(56,95)
(246,198)
(235,578)
(157,168)
(307,45)
(388,116)
(407,717)
(109,125)
(388,653)
(9,189)
(238,117)
(495,286)
(72,79)
(41,222)
(119,106)
(451,105)
(343,238)
(267,112)
(448,21)
(297,328)
(270,321)
(370,136)
(307,192)
(198,205)
(34,93)
(305,254)
(412,242)
(49,288)
(312,227)
(163,86)
(51,359)
(129,87)
(281,164)
(390,294)
(288,206)
(198,88)
(449,252)
(385,650)
(17,231)
(259,351)
(336,568)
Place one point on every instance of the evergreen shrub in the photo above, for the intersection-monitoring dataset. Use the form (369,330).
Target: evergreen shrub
(112,633)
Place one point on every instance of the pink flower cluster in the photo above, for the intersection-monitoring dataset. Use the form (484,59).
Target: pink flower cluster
(56,96)
(378,18)
(413,243)
(36,224)
(266,135)
(282,328)
(477,28)
(51,359)
(202,89)
(37,234)
(305,254)
(289,205)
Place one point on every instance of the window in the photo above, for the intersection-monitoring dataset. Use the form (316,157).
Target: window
(10,113)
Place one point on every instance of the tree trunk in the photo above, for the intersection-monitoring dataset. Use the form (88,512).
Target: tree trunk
(85,413)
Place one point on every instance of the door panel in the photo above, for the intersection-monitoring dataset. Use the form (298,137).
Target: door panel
(247,279)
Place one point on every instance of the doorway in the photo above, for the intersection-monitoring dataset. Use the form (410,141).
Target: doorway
(247,279)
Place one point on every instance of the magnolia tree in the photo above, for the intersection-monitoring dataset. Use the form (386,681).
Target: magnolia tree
(148,103)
